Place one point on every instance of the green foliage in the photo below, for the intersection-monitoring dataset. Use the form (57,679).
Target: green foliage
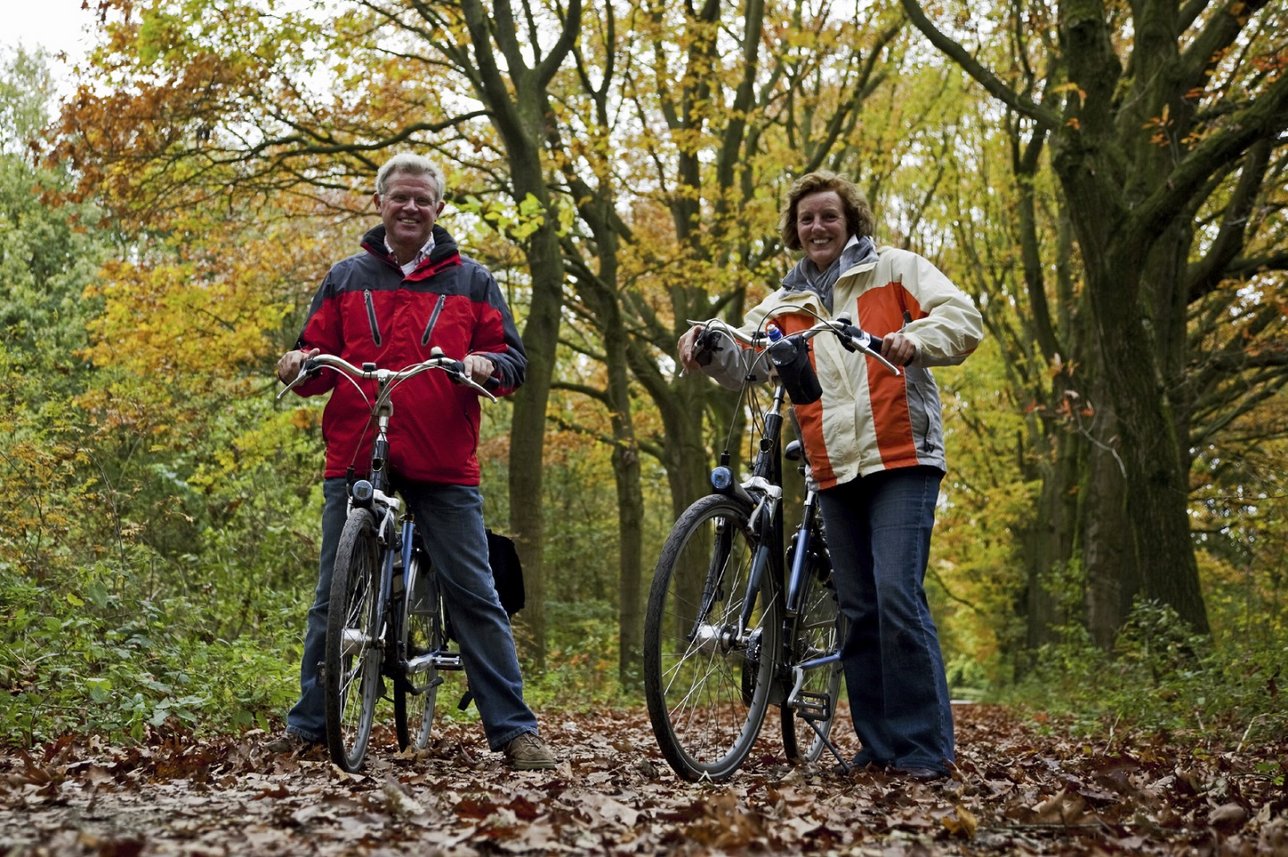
(1160,677)
(581,658)
(95,650)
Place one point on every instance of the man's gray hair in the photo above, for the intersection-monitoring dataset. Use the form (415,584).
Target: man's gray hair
(411,164)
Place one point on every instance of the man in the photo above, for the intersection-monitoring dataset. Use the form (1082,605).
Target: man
(409,291)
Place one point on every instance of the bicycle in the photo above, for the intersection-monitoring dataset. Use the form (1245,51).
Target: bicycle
(386,618)
(736,620)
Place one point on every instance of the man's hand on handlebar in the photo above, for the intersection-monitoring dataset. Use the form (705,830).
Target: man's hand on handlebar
(478,368)
(288,367)
(687,348)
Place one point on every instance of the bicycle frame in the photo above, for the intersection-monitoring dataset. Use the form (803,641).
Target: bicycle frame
(765,486)
(383,647)
(737,619)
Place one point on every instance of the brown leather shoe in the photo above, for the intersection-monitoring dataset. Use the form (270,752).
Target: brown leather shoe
(290,742)
(529,753)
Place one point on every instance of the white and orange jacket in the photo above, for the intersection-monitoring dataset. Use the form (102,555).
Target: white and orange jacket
(868,418)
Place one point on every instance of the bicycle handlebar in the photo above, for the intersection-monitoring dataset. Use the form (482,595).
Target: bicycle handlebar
(386,378)
(852,338)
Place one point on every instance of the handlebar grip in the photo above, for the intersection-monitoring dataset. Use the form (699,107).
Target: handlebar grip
(853,337)
(705,346)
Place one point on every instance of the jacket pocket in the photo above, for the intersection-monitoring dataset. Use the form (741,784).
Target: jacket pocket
(923,410)
(433,319)
(371,315)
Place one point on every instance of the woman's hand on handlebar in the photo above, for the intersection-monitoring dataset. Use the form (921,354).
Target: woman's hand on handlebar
(288,367)
(898,349)
(688,348)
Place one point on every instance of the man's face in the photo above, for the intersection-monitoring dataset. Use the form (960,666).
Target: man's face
(408,207)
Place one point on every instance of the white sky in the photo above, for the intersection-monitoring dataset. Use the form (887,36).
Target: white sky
(55,25)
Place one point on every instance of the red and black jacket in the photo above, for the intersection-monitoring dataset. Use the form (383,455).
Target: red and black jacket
(367,311)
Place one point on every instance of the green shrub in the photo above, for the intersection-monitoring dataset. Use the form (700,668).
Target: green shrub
(1160,677)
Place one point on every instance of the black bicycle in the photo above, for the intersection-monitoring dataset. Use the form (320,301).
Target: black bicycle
(385,619)
(737,620)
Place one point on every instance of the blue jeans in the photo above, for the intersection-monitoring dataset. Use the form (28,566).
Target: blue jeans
(878,533)
(450,521)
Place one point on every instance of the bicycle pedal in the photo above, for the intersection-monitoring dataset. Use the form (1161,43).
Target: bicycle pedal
(813,706)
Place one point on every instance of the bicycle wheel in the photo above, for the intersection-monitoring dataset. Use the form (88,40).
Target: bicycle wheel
(708,687)
(416,694)
(352,666)
(819,631)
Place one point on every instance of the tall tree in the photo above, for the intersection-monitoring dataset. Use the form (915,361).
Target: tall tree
(310,101)
(1165,109)
(687,123)
(510,61)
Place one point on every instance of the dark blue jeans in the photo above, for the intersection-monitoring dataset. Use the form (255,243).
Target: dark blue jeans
(450,520)
(878,533)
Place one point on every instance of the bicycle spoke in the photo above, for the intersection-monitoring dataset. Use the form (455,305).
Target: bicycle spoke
(704,700)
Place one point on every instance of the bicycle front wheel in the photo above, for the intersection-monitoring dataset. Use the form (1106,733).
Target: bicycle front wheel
(351,669)
(706,679)
(416,695)
(817,633)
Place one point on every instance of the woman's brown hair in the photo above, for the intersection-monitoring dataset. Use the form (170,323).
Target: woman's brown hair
(858,214)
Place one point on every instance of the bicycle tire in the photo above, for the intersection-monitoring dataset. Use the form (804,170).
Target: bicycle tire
(707,695)
(351,670)
(819,630)
(416,695)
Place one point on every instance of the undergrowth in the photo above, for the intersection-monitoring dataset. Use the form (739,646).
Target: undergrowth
(1160,677)
(96,653)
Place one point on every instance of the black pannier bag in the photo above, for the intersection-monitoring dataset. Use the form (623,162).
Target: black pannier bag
(507,572)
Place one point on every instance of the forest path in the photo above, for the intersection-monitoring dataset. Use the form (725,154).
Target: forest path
(1019,788)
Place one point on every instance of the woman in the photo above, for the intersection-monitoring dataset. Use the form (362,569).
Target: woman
(875,447)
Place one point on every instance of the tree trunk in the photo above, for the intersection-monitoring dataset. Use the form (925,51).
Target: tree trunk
(518,105)
(1112,576)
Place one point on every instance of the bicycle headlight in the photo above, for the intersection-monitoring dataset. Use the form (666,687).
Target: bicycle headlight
(362,492)
(721,478)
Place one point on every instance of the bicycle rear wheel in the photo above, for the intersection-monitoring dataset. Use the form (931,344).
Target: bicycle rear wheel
(707,685)
(351,669)
(416,695)
(819,631)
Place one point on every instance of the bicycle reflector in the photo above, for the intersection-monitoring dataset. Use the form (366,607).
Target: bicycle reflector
(362,492)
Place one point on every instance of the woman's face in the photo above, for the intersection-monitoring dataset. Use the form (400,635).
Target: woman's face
(821,227)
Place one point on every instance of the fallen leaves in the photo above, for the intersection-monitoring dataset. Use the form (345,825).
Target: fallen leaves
(1018,788)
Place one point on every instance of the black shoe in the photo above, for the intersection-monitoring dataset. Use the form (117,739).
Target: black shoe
(924,775)
(862,761)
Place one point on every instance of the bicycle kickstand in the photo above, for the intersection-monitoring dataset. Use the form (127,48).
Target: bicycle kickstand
(831,745)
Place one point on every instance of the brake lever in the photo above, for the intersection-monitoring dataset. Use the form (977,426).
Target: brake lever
(308,369)
(853,338)
(459,376)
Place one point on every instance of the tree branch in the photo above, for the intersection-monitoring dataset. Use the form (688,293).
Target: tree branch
(991,82)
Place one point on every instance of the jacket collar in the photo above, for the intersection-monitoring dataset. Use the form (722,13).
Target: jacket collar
(445,253)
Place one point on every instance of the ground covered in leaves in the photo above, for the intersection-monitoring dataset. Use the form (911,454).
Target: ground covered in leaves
(1019,788)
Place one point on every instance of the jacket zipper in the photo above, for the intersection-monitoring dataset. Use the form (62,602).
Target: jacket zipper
(433,319)
(371,315)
